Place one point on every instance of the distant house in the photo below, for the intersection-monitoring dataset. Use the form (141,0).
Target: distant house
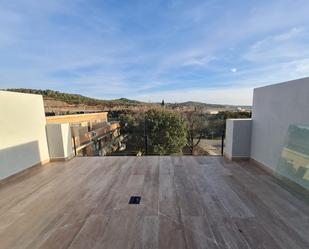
(212,112)
(92,134)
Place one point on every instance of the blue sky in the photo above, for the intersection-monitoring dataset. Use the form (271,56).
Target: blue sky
(213,51)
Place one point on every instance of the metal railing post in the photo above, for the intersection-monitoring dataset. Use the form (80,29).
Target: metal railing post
(222,144)
(146,145)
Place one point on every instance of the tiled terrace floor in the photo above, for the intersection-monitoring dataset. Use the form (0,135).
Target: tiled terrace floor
(187,202)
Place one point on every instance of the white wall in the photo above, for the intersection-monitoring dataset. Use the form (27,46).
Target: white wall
(275,107)
(229,136)
(238,138)
(22,132)
(59,141)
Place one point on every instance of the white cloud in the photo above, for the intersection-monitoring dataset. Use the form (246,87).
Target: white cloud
(287,45)
(234,70)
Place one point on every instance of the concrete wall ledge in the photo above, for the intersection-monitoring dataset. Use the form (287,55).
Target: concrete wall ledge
(238,138)
(59,141)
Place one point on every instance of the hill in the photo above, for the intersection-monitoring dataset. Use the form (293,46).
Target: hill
(74,99)
(56,103)
(200,105)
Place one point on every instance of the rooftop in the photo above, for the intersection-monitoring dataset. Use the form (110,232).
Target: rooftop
(77,118)
(186,202)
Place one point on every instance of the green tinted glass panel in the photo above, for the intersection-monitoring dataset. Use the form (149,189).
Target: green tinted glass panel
(294,160)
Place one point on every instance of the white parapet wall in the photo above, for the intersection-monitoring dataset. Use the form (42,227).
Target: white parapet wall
(59,141)
(238,138)
(275,108)
(22,132)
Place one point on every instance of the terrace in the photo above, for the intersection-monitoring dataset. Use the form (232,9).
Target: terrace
(254,197)
(186,202)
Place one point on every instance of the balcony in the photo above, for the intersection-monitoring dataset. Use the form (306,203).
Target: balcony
(91,141)
(186,202)
(84,135)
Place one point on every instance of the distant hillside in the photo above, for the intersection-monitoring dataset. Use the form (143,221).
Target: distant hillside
(74,99)
(57,103)
(199,105)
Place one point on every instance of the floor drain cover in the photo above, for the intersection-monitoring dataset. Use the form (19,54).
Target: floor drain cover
(135,200)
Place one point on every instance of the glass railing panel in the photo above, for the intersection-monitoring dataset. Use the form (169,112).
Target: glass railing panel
(294,160)
(156,132)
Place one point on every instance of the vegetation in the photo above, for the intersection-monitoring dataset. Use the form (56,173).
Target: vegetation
(170,133)
(75,99)
(166,132)
(196,125)
(216,123)
(132,127)
(229,114)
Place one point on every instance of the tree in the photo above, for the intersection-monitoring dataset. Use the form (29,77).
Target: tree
(132,127)
(215,127)
(196,124)
(162,103)
(166,132)
(217,123)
